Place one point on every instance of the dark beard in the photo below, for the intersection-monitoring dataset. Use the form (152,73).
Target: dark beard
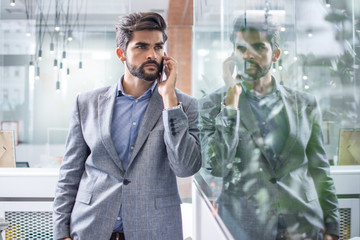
(140,72)
(260,72)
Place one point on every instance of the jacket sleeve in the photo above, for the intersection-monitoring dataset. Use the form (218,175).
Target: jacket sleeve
(182,139)
(320,170)
(70,174)
(219,126)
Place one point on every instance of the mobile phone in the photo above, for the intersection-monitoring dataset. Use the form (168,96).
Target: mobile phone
(162,71)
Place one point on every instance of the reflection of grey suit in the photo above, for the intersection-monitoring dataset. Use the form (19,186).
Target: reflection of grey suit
(298,189)
(93,184)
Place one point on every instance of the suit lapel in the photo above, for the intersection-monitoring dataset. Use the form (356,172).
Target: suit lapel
(152,114)
(292,113)
(250,123)
(105,110)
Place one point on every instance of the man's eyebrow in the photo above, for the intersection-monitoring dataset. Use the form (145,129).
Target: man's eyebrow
(159,43)
(241,44)
(258,44)
(142,44)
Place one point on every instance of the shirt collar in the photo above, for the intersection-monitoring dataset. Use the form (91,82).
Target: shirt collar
(252,94)
(120,89)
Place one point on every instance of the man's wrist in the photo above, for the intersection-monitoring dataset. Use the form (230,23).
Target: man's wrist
(178,106)
(170,100)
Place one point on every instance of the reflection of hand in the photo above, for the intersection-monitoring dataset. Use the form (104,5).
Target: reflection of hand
(234,89)
(167,88)
(65,239)
(330,237)
(233,95)
(228,70)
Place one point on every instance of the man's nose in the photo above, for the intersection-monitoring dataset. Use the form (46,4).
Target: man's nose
(151,54)
(248,54)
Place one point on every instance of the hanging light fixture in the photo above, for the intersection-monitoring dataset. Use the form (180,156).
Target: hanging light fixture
(55,63)
(37,73)
(309,33)
(274,67)
(80,66)
(64,54)
(70,36)
(328,4)
(58,86)
(28,30)
(40,55)
(280,67)
(61,65)
(57,25)
(12,3)
(52,48)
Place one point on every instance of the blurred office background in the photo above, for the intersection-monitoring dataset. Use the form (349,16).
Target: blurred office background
(50,50)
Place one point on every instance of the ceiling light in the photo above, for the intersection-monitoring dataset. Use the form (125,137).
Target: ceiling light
(70,37)
(37,73)
(328,3)
(80,66)
(57,86)
(40,55)
(52,48)
(12,3)
(55,64)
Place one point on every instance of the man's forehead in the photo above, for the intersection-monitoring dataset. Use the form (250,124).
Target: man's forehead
(148,36)
(251,36)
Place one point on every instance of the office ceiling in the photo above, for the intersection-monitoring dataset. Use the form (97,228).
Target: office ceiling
(98,14)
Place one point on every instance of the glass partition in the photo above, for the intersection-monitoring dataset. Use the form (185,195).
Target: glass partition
(320,47)
(49,52)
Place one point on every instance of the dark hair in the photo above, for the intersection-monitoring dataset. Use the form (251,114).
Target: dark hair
(133,22)
(271,30)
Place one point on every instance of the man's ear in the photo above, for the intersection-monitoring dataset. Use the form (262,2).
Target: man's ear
(120,54)
(277,54)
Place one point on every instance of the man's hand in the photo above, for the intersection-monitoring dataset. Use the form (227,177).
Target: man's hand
(228,70)
(233,95)
(234,89)
(167,88)
(330,237)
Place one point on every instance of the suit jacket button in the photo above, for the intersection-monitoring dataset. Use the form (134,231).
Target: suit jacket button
(126,182)
(273,180)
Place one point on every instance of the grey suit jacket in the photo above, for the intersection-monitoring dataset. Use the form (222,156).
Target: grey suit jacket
(256,194)
(93,184)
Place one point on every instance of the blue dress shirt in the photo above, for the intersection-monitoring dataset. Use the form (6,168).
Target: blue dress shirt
(270,113)
(127,116)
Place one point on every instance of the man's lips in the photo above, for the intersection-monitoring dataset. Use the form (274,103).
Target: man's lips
(151,65)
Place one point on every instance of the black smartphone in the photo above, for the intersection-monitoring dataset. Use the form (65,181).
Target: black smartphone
(162,71)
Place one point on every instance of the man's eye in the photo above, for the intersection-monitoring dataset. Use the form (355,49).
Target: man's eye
(259,47)
(241,48)
(140,47)
(158,47)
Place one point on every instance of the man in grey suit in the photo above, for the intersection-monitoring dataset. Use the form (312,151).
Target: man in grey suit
(126,145)
(265,141)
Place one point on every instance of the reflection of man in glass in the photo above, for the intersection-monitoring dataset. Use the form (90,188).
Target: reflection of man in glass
(265,140)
